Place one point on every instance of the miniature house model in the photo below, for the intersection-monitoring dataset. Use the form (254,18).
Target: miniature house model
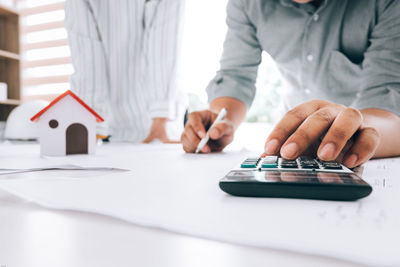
(67,126)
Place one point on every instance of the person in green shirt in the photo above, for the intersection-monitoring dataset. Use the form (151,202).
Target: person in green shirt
(341,65)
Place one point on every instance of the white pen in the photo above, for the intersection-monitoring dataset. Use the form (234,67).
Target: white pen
(203,142)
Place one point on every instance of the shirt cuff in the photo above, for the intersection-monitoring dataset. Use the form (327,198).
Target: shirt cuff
(223,85)
(161,109)
(383,98)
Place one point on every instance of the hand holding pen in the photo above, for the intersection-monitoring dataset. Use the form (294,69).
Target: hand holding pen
(203,142)
(196,139)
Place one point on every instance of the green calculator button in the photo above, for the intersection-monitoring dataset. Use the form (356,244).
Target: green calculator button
(270,162)
(272,165)
(248,165)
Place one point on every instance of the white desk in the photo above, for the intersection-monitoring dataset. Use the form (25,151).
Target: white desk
(34,236)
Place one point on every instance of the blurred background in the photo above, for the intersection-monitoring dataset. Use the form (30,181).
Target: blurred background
(45,57)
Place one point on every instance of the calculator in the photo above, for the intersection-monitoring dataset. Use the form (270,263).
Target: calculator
(304,177)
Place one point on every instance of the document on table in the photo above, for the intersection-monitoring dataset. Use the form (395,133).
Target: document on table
(169,189)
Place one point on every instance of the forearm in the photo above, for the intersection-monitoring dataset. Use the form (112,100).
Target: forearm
(236,109)
(388,126)
(161,121)
(158,131)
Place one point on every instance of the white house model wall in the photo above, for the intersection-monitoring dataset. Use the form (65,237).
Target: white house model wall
(66,112)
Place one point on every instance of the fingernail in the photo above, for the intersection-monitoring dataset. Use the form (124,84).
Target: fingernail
(290,150)
(327,151)
(272,146)
(351,160)
(201,134)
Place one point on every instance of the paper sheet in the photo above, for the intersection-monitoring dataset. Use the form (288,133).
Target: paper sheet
(54,168)
(172,190)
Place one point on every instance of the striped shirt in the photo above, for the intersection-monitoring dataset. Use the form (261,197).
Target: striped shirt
(124,53)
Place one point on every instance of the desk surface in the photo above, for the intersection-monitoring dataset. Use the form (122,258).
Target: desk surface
(34,236)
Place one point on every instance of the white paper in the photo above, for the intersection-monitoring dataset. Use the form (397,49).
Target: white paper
(169,189)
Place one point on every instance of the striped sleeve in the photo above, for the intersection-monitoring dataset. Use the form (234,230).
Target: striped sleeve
(162,33)
(90,79)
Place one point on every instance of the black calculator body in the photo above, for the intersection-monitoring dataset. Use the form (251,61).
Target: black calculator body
(305,177)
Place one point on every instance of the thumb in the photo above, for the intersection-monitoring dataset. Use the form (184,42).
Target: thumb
(220,129)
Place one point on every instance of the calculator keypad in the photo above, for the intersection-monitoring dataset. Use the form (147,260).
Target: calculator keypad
(305,178)
(303,163)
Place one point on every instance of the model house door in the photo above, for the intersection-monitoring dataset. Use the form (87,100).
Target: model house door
(77,139)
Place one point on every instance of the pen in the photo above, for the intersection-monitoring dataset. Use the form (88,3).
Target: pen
(203,142)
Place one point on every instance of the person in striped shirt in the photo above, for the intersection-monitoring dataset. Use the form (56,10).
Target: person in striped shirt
(124,54)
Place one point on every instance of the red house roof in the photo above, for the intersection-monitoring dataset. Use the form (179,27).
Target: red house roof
(80,101)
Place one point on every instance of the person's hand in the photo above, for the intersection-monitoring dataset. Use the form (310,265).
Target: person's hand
(335,130)
(158,131)
(196,127)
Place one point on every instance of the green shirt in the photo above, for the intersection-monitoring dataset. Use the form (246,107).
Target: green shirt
(344,51)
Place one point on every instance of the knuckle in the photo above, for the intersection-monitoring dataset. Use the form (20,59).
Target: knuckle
(315,102)
(372,132)
(353,113)
(324,115)
(320,103)
(297,113)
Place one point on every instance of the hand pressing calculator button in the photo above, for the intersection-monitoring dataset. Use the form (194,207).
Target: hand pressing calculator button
(304,177)
(270,162)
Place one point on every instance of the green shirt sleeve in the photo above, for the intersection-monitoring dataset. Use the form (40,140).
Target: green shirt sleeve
(381,66)
(240,60)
